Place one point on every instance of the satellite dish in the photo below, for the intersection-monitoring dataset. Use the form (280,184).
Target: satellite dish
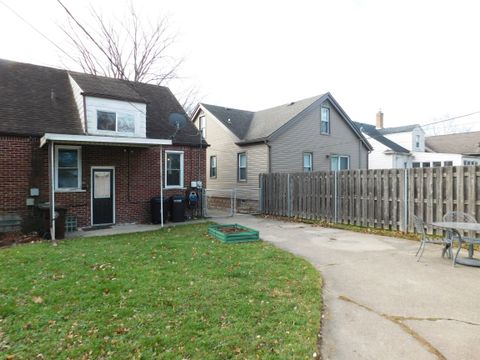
(178,120)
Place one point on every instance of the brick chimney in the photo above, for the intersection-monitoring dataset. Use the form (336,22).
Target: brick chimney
(379,119)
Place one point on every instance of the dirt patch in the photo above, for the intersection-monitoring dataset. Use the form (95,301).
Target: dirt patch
(17,237)
(231,230)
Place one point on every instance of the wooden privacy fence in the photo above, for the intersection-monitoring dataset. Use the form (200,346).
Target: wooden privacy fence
(385,198)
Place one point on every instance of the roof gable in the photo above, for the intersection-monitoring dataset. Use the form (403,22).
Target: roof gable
(262,125)
(266,122)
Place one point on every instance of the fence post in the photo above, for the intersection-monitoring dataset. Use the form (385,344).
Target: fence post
(234,208)
(405,199)
(289,197)
(260,194)
(335,180)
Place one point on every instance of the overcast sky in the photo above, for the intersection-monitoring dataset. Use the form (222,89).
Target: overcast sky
(419,61)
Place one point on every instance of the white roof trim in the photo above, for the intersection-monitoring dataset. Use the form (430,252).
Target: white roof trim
(102,140)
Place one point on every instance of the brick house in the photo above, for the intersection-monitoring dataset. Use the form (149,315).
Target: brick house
(99,147)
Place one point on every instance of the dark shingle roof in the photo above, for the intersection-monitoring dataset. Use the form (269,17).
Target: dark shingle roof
(35,100)
(102,86)
(251,126)
(398,129)
(265,122)
(461,143)
(27,108)
(238,121)
(375,134)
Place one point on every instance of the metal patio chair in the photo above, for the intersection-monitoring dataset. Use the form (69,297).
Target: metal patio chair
(419,225)
(459,216)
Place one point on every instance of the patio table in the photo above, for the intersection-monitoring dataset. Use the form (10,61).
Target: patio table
(458,228)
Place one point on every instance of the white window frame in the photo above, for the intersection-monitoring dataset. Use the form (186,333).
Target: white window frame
(327,121)
(182,169)
(211,167)
(339,157)
(202,125)
(417,141)
(311,161)
(238,167)
(116,122)
(79,166)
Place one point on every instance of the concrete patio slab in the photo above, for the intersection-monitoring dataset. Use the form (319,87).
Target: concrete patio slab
(126,229)
(380,303)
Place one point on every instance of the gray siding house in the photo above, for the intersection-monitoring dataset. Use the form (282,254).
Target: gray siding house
(313,134)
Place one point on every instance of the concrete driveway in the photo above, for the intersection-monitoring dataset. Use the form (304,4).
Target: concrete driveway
(380,303)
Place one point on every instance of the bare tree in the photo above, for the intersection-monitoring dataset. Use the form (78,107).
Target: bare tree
(132,49)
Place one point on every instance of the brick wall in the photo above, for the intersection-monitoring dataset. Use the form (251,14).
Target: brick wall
(137,177)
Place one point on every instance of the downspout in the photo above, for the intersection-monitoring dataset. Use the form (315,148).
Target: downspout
(51,156)
(269,156)
(161,186)
(359,154)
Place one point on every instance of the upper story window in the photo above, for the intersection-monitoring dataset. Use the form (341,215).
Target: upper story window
(213,166)
(68,168)
(307,162)
(115,121)
(202,125)
(324,120)
(417,141)
(415,164)
(173,169)
(242,167)
(448,163)
(339,162)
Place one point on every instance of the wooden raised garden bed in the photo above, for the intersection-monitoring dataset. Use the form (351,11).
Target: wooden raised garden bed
(233,233)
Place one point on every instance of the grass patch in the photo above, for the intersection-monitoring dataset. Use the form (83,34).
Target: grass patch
(172,294)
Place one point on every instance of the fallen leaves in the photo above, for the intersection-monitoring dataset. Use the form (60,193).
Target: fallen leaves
(37,299)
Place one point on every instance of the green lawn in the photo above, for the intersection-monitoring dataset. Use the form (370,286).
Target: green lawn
(171,294)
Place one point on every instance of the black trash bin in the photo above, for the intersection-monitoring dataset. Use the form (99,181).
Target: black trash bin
(60,214)
(177,208)
(156,207)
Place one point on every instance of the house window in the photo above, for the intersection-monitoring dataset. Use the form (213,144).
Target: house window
(339,162)
(325,120)
(417,141)
(68,168)
(242,167)
(213,166)
(202,126)
(426,164)
(118,122)
(173,169)
(437,163)
(448,163)
(307,162)
(415,164)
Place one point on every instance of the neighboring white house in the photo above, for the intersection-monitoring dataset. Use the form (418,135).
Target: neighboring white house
(404,147)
